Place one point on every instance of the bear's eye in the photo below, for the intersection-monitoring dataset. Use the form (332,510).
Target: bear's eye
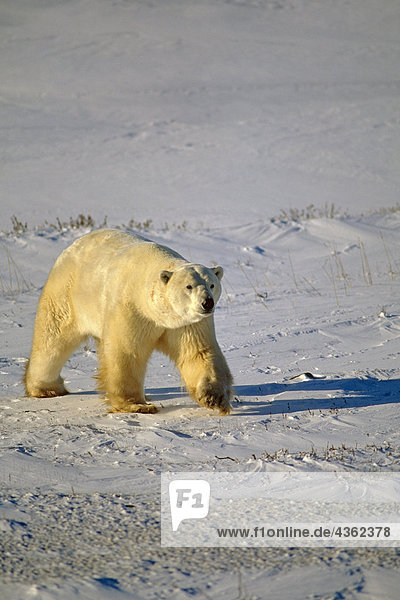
(212,286)
(189,287)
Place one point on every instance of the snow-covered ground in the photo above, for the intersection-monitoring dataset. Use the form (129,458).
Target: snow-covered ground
(219,121)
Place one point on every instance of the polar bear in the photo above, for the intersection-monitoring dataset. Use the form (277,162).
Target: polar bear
(132,296)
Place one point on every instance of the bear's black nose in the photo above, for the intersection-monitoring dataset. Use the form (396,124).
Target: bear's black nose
(208,304)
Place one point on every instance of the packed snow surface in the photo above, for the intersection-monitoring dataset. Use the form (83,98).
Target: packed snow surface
(262,135)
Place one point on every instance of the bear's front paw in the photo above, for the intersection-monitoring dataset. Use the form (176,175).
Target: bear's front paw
(119,404)
(216,396)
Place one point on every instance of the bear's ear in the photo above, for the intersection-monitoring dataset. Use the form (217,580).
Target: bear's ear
(165,276)
(218,271)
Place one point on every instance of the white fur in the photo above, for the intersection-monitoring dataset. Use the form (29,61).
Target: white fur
(132,296)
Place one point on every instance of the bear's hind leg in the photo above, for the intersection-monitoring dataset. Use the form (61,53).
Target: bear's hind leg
(42,376)
(43,389)
(55,338)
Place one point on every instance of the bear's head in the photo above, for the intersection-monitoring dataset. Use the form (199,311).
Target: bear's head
(190,293)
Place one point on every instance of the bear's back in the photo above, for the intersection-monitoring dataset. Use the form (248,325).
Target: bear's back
(107,248)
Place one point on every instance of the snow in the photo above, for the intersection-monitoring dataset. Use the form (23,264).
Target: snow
(221,122)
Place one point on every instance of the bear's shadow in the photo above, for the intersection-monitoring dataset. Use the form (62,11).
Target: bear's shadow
(260,399)
(349,393)
(253,400)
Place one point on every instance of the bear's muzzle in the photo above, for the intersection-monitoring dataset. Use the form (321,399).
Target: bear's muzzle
(208,304)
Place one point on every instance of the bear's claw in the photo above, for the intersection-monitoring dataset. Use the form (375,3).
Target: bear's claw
(129,406)
(212,396)
(136,408)
(221,404)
